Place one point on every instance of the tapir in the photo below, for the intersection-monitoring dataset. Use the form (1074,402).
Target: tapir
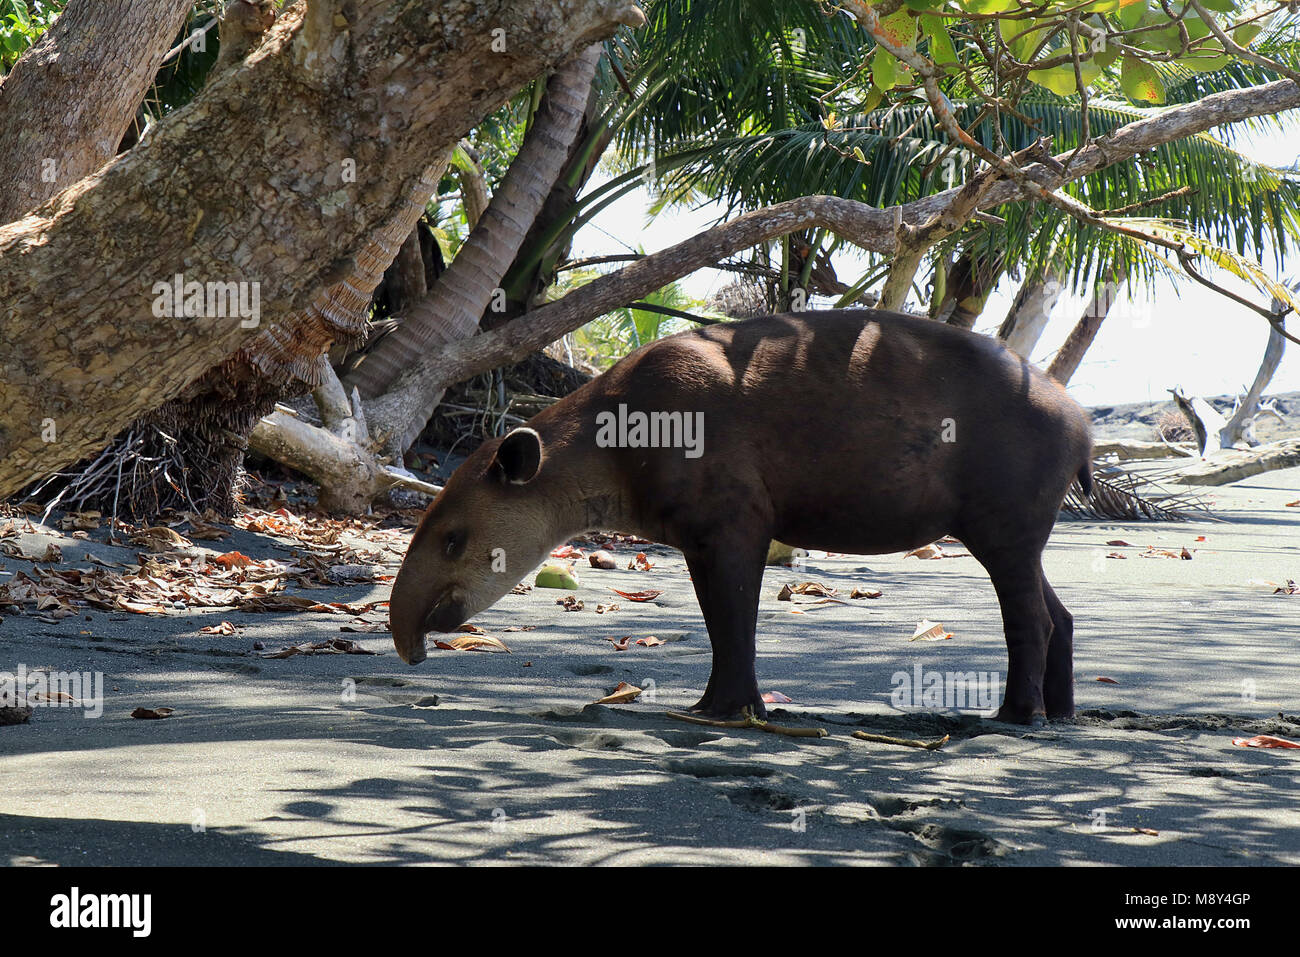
(856,431)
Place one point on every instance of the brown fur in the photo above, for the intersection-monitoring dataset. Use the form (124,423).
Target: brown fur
(830,430)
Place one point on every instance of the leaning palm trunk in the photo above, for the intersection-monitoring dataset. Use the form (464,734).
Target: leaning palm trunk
(472,283)
(1085,330)
(1029,314)
(347,460)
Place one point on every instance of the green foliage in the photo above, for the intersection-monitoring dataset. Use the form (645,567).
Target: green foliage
(603,341)
(22,24)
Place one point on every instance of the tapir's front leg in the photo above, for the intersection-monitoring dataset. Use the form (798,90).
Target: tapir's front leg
(727,576)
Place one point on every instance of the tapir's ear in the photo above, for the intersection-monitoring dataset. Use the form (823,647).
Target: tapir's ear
(519,457)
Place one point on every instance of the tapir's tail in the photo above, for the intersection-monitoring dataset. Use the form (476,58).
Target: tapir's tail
(1085,477)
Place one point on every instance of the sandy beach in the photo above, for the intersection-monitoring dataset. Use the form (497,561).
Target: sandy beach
(479,757)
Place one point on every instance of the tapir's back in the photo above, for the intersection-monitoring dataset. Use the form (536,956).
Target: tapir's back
(852,411)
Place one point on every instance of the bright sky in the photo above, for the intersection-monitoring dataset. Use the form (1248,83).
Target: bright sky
(1186,336)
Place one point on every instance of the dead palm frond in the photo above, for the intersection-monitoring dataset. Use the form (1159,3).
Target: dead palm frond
(1121,495)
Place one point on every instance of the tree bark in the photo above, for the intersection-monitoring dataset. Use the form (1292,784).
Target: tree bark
(1241,424)
(248,184)
(970,281)
(1029,314)
(1085,330)
(68,101)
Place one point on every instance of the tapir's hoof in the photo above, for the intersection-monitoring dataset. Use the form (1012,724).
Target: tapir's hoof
(723,709)
(1036,719)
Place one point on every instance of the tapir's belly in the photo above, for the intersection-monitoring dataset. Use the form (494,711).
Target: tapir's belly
(890,500)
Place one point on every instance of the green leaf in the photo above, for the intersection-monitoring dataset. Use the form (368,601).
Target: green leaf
(1140,81)
(1061,80)
(900,29)
(1222,6)
(1131,12)
(922,5)
(885,69)
(1202,60)
(989,6)
(1022,47)
(941,49)
(1106,56)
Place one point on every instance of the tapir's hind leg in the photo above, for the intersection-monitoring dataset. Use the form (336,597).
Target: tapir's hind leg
(1013,566)
(727,577)
(1058,681)
(1028,627)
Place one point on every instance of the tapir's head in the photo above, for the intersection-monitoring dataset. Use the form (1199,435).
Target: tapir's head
(488,526)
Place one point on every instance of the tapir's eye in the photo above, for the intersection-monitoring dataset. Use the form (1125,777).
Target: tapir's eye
(455,544)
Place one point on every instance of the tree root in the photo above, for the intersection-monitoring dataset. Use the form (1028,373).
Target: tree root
(749,721)
(902,742)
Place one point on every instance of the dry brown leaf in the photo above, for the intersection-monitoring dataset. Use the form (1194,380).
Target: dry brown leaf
(473,643)
(927,630)
(1264,741)
(60,696)
(620,644)
(1153,552)
(621,695)
(225,628)
(152,713)
(640,563)
(925,551)
(331,646)
(1108,681)
(649,595)
(650,641)
(138,607)
(805,588)
(776,697)
(160,537)
(864,593)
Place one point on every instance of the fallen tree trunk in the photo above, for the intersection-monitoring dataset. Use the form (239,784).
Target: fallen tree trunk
(1133,449)
(1232,465)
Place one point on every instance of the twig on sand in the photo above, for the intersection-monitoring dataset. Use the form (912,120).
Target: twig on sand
(749,721)
(904,742)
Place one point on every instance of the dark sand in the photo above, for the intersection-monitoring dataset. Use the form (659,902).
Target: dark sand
(513,763)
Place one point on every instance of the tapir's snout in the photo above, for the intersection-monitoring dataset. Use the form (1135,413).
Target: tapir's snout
(415,610)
